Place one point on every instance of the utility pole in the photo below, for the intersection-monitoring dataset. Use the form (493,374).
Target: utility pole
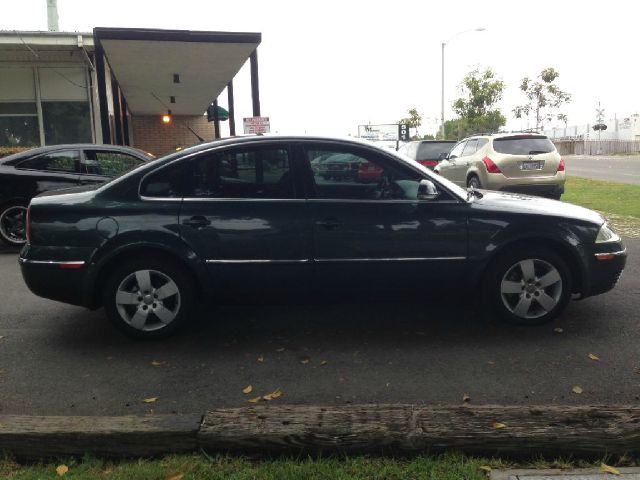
(52,15)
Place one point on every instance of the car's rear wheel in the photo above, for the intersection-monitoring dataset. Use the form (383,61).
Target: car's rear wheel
(13,223)
(528,286)
(149,297)
(474,182)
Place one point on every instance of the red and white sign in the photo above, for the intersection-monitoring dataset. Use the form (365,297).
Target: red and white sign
(256,125)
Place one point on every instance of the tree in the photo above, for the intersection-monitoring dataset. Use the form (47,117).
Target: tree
(414,120)
(476,107)
(543,96)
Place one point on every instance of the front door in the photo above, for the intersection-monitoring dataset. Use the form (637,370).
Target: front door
(241,213)
(371,232)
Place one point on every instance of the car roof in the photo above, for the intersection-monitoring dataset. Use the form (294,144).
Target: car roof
(506,135)
(11,159)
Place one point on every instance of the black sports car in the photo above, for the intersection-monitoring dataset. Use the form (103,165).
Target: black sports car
(26,174)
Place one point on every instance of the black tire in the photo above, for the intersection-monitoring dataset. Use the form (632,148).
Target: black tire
(13,224)
(508,266)
(125,280)
(555,196)
(474,181)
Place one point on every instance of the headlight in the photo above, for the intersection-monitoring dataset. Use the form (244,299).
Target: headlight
(606,234)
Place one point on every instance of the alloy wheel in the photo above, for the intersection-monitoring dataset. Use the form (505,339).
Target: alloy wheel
(531,288)
(13,224)
(148,300)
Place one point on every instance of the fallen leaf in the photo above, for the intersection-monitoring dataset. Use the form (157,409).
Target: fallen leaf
(261,359)
(254,400)
(485,468)
(594,357)
(577,389)
(62,469)
(498,425)
(1,337)
(280,350)
(174,476)
(247,389)
(155,363)
(150,400)
(609,469)
(324,362)
(636,370)
(272,396)
(558,330)
(305,360)
(466,397)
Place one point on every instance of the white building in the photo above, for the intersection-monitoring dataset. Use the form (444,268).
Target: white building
(627,128)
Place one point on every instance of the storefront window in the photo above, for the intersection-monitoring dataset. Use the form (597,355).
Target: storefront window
(18,124)
(66,122)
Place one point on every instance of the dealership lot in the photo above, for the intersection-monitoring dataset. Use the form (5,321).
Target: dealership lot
(57,359)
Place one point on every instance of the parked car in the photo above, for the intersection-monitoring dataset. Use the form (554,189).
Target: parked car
(427,152)
(191,227)
(521,163)
(26,174)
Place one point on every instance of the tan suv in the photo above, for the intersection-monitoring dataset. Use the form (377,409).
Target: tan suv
(521,163)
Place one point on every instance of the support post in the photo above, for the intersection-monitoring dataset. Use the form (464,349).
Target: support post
(232,110)
(216,119)
(102,94)
(255,89)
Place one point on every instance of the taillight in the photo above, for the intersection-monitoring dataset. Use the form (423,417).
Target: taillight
(491,167)
(428,163)
(27,225)
(561,165)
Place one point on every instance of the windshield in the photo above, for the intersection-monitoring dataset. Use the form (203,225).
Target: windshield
(452,187)
(432,150)
(528,145)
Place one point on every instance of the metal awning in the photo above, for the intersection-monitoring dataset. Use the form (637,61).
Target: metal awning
(193,67)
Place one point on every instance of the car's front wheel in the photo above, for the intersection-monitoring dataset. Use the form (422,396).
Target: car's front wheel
(149,297)
(474,182)
(13,223)
(528,286)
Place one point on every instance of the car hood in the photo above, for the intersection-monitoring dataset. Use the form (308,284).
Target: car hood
(526,204)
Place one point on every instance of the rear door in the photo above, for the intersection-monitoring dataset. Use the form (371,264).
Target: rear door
(243,215)
(524,156)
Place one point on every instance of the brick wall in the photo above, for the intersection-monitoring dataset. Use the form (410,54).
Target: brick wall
(151,135)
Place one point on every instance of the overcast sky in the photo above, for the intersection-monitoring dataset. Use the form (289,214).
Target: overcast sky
(327,66)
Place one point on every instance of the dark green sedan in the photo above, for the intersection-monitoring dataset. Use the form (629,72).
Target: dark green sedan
(250,217)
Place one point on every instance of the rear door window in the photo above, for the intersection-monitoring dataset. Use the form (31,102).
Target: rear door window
(523,145)
(108,164)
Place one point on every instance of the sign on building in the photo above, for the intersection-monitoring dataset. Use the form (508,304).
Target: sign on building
(256,125)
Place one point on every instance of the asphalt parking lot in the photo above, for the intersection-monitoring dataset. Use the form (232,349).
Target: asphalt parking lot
(57,359)
(612,168)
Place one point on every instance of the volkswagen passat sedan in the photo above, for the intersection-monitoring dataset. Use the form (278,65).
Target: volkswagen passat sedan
(247,216)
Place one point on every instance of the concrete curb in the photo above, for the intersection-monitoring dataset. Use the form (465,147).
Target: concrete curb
(506,431)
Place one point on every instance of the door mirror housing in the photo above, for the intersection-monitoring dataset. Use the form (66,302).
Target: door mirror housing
(427,190)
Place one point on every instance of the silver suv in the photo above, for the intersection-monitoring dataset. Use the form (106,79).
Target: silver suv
(521,163)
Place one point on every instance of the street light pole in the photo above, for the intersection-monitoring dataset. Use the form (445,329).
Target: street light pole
(444,44)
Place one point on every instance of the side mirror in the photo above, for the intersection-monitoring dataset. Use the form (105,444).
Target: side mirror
(443,156)
(427,190)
